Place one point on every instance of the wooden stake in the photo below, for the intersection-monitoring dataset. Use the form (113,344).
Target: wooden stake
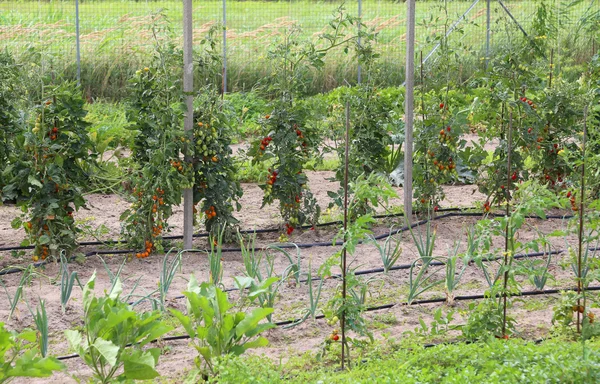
(507,234)
(580,237)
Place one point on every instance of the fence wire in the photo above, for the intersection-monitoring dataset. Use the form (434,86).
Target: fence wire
(117,36)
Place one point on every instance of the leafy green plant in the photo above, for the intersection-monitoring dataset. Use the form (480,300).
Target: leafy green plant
(49,173)
(40,319)
(439,327)
(260,276)
(19,357)
(215,258)
(421,279)
(262,292)
(156,182)
(26,278)
(353,306)
(375,119)
(538,271)
(167,275)
(9,75)
(487,318)
(214,168)
(67,281)
(313,300)
(388,252)
(453,276)
(294,268)
(365,193)
(287,136)
(425,243)
(114,336)
(214,329)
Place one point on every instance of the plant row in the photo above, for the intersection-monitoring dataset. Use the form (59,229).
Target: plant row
(520,106)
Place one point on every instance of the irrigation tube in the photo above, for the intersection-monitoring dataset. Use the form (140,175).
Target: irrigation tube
(389,306)
(291,246)
(458,212)
(225,250)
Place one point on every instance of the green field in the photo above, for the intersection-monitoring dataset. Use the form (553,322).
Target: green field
(116,35)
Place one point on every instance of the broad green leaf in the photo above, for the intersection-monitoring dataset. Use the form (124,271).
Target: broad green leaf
(27,336)
(138,365)
(259,329)
(107,349)
(193,285)
(87,290)
(185,321)
(116,290)
(205,352)
(222,301)
(158,330)
(258,342)
(252,320)
(31,179)
(243,282)
(115,318)
(74,338)
(155,352)
(31,365)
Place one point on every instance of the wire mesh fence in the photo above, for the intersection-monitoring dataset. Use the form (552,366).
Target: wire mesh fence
(116,36)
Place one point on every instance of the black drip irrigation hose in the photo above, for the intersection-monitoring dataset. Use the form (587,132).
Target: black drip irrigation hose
(453,212)
(457,212)
(403,267)
(389,306)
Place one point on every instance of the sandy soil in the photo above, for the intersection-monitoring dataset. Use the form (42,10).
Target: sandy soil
(104,210)
(533,314)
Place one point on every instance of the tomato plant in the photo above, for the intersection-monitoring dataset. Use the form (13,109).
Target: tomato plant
(287,139)
(375,119)
(49,172)
(438,141)
(593,146)
(8,116)
(522,91)
(289,144)
(157,183)
(214,170)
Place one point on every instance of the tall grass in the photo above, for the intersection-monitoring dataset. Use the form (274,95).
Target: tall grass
(116,38)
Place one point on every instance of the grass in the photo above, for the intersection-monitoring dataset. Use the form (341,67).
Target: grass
(109,121)
(493,361)
(116,38)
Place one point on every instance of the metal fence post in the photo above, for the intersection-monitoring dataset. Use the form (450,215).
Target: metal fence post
(77,47)
(487,34)
(408,111)
(359,77)
(188,88)
(224,47)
